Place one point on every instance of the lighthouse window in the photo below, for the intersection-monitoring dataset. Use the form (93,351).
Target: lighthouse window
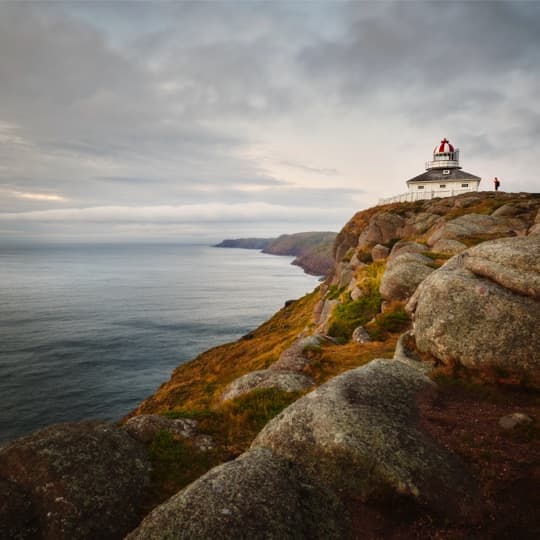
(464,185)
(446,171)
(442,185)
(420,187)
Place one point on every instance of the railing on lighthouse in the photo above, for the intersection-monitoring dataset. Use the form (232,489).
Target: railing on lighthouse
(412,196)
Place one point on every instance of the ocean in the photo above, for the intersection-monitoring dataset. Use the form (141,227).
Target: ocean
(89,331)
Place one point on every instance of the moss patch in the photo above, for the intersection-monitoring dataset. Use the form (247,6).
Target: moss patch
(389,322)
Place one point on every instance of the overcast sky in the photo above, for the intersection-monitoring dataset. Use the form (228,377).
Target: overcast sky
(202,120)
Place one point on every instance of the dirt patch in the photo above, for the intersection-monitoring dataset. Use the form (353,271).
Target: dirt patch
(464,418)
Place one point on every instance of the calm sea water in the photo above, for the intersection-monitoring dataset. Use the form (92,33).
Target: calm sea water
(90,331)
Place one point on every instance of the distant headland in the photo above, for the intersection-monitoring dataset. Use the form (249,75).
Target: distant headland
(313,250)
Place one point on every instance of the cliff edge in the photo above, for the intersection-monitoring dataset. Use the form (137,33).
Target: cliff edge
(400,399)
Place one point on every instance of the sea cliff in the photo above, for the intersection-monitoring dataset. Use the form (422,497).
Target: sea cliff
(400,399)
(312,250)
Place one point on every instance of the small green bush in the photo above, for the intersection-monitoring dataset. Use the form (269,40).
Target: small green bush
(348,316)
(391,322)
(254,410)
(175,462)
(334,292)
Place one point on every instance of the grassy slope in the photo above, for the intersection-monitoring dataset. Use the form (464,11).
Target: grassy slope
(195,388)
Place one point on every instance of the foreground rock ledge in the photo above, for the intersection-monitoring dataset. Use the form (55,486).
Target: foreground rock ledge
(72,481)
(358,434)
(258,496)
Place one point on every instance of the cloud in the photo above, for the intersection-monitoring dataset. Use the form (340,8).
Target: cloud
(193,109)
(38,196)
(166,214)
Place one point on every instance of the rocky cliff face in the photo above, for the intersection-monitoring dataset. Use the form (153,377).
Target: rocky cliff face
(313,250)
(339,428)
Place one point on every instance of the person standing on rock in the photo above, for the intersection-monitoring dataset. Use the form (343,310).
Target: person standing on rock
(496,183)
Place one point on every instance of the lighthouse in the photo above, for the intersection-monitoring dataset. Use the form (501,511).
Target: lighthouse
(444,176)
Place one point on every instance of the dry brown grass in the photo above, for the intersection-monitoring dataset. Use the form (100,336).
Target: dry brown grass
(335,359)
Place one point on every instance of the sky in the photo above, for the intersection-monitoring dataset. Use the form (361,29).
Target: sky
(196,121)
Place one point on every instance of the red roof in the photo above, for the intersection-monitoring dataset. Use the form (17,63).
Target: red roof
(443,148)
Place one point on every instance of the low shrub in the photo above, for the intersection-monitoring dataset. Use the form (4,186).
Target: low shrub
(176,463)
(392,322)
(351,314)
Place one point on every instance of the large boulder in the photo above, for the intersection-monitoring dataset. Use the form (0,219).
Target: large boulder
(359,434)
(403,275)
(404,246)
(296,357)
(288,381)
(451,247)
(481,310)
(73,481)
(477,226)
(381,229)
(257,496)
(379,252)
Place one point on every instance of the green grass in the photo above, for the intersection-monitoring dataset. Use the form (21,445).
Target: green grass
(251,412)
(389,323)
(176,463)
(334,292)
(351,314)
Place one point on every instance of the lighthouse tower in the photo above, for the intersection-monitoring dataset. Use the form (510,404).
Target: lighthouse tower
(443,177)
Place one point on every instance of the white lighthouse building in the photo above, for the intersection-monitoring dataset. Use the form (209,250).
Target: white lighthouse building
(443,177)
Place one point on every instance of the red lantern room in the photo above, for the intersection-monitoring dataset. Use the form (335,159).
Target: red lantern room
(445,156)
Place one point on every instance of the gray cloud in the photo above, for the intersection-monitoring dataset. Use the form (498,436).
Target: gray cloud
(316,108)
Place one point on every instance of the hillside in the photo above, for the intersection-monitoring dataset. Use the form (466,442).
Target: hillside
(244,243)
(400,399)
(313,250)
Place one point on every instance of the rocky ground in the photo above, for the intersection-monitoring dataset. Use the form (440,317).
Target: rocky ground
(322,423)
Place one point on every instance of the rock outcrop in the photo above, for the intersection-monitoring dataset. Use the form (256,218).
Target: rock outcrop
(382,228)
(477,225)
(257,496)
(358,434)
(481,310)
(288,381)
(145,427)
(403,275)
(449,246)
(72,481)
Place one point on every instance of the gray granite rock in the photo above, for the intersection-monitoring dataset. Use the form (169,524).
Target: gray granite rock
(78,481)
(288,381)
(379,252)
(145,427)
(449,246)
(404,246)
(481,310)
(361,335)
(381,229)
(515,420)
(403,275)
(259,496)
(359,434)
(476,224)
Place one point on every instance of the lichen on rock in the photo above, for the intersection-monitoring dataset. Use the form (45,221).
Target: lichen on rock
(358,434)
(79,480)
(257,496)
(288,381)
(481,310)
